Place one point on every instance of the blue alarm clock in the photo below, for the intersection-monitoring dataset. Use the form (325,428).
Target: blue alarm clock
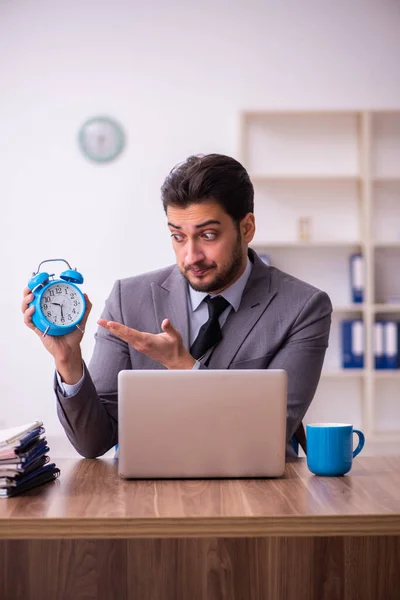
(59,303)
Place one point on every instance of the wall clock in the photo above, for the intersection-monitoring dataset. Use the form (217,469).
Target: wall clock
(101,139)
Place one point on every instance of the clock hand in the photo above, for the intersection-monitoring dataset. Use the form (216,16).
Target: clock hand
(62,314)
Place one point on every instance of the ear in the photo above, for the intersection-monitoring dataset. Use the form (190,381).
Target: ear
(248,227)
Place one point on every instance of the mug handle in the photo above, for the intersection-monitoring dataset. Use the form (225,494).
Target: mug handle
(361,442)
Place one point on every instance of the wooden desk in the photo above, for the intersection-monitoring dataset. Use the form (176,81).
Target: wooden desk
(92,535)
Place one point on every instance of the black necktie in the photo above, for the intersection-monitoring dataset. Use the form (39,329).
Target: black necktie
(210,333)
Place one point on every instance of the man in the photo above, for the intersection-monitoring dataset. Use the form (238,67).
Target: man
(268,319)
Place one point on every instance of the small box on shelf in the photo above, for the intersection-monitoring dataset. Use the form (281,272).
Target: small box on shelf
(304,229)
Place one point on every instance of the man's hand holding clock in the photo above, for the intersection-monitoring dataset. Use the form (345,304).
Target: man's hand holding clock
(65,349)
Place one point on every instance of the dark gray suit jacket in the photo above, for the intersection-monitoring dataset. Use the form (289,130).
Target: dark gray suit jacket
(282,323)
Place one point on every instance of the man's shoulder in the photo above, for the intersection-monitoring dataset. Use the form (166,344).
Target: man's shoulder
(285,282)
(296,293)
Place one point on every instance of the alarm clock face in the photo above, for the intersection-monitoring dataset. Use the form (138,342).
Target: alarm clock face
(61,304)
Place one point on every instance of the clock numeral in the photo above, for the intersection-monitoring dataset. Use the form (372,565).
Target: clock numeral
(47,298)
(69,318)
(74,311)
(75,303)
(51,292)
(72,295)
(58,290)
(44,306)
(62,320)
(49,313)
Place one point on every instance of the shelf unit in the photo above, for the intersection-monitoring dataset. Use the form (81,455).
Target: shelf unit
(339,171)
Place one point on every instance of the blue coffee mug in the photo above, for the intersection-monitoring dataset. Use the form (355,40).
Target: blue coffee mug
(330,448)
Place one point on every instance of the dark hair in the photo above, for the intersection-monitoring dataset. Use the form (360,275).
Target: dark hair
(210,177)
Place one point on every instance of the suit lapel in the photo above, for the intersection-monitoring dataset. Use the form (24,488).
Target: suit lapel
(256,297)
(170,301)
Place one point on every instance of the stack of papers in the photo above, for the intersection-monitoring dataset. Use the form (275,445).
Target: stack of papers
(24,462)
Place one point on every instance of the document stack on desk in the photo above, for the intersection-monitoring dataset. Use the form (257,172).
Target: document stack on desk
(24,463)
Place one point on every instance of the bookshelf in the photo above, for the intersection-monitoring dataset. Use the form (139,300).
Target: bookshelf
(327,185)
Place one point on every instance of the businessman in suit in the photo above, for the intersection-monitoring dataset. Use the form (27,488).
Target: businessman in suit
(266,319)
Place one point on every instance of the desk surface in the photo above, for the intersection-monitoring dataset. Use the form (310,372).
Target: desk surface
(89,500)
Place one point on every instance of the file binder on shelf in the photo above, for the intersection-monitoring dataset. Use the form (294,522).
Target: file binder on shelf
(391,344)
(265,258)
(357,277)
(352,344)
(379,345)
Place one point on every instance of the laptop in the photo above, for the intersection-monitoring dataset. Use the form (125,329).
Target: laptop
(202,424)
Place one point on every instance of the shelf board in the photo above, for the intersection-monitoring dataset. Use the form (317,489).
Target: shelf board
(394,244)
(345,308)
(347,373)
(389,308)
(312,244)
(386,179)
(387,374)
(305,112)
(296,177)
(388,437)
(342,373)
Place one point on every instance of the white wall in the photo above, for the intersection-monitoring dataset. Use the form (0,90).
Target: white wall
(176,74)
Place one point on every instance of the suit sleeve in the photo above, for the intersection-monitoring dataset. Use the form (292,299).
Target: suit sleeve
(302,356)
(90,417)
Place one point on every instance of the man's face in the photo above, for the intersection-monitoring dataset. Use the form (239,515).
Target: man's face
(210,249)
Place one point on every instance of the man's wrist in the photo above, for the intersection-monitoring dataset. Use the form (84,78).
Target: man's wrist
(70,371)
(186,362)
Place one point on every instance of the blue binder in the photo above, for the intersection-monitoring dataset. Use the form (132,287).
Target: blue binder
(265,258)
(352,344)
(357,277)
(391,344)
(379,345)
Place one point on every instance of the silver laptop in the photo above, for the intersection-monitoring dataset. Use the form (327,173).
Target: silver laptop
(202,424)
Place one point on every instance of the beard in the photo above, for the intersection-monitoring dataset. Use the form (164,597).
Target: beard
(224,275)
